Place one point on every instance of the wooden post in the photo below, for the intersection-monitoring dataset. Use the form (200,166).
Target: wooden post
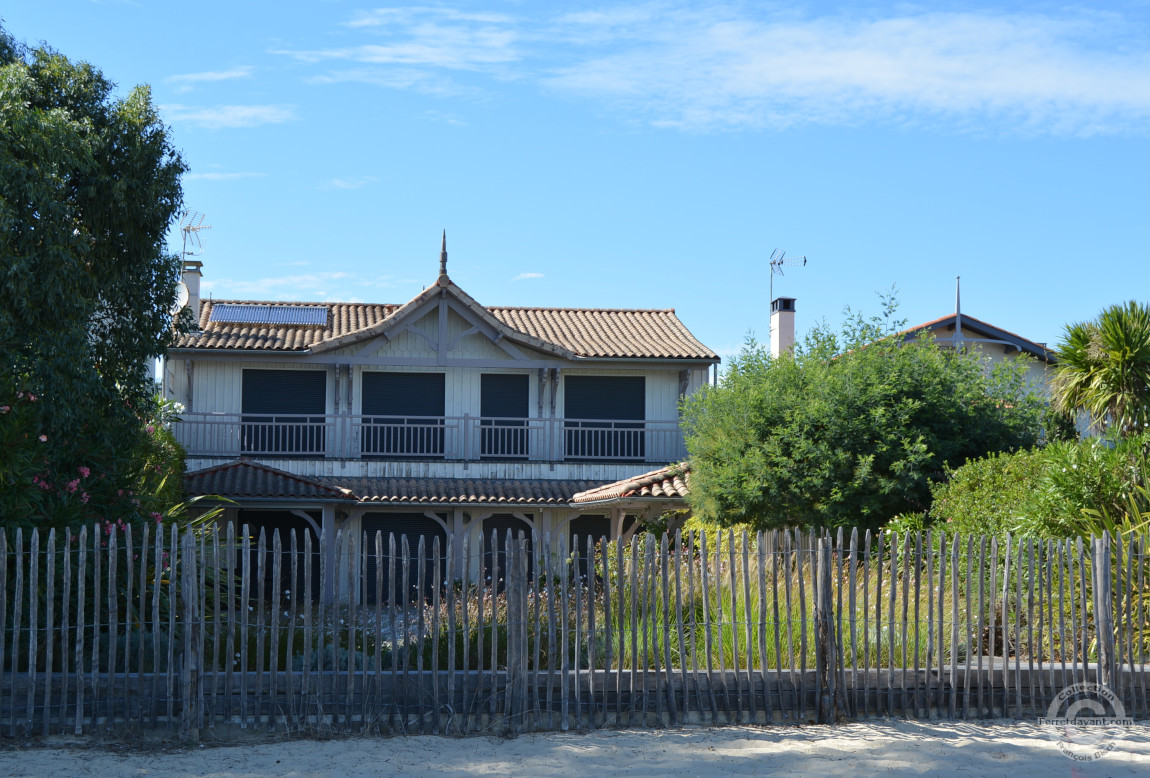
(1103,610)
(190,673)
(830,703)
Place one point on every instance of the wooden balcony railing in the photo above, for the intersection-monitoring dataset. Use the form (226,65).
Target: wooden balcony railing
(452,438)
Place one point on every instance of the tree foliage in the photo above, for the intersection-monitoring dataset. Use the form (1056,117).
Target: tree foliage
(89,185)
(1104,368)
(851,429)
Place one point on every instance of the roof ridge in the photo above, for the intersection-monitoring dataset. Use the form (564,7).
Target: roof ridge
(578,310)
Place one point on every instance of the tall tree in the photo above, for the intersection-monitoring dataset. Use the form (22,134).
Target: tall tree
(850,430)
(89,185)
(1104,369)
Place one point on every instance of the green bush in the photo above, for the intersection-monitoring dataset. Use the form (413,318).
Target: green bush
(987,495)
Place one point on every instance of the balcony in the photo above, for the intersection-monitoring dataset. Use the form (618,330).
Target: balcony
(446,438)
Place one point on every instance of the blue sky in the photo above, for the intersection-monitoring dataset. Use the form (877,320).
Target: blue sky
(653,154)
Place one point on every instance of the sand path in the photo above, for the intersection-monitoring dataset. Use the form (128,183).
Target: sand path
(885,748)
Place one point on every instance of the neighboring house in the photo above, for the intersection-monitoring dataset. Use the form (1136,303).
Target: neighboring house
(438,417)
(960,330)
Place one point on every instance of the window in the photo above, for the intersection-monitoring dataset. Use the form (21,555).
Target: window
(283,412)
(403,414)
(604,417)
(503,402)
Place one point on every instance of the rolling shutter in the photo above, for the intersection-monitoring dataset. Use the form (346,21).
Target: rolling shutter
(283,412)
(414,526)
(275,392)
(403,394)
(604,397)
(503,396)
(503,404)
(604,417)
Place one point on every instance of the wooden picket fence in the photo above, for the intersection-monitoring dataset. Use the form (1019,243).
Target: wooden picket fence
(210,629)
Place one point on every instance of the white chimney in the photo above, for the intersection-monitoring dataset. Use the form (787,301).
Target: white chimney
(782,326)
(191,278)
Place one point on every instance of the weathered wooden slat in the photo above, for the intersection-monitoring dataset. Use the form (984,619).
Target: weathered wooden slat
(1007,640)
(931,647)
(261,628)
(494,697)
(113,604)
(761,576)
(733,587)
(952,703)
(691,554)
(49,623)
(787,561)
(307,686)
(708,642)
(577,590)
(420,632)
(172,585)
(592,635)
(610,614)
(552,645)
(905,632)
(537,626)
(405,630)
(891,622)
(665,625)
(866,578)
(992,618)
(1018,630)
(437,573)
(452,657)
(468,589)
(852,581)
(292,595)
(66,615)
(276,610)
(1030,616)
(966,695)
(917,596)
(651,651)
(804,624)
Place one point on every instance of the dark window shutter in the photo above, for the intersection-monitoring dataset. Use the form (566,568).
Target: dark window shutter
(275,392)
(403,394)
(501,523)
(503,396)
(604,397)
(414,526)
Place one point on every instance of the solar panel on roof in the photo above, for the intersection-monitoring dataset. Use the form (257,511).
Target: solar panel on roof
(304,315)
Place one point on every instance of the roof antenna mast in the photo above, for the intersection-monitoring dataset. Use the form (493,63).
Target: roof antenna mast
(779,260)
(191,224)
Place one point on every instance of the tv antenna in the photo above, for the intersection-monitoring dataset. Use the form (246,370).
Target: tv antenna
(779,260)
(191,225)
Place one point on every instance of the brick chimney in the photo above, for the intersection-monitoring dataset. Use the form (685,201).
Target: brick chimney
(782,326)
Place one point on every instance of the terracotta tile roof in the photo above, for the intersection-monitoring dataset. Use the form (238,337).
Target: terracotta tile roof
(248,480)
(343,319)
(601,332)
(669,483)
(463,491)
(582,332)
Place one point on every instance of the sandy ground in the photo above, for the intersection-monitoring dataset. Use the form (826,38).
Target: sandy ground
(887,748)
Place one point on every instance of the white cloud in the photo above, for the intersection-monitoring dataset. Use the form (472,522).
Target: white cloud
(526,276)
(422,81)
(221,176)
(353,182)
(700,71)
(707,67)
(186,82)
(227,116)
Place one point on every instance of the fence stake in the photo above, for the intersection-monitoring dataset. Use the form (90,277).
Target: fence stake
(190,672)
(1103,613)
(830,705)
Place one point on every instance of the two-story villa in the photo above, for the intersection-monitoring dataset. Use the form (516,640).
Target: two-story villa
(438,416)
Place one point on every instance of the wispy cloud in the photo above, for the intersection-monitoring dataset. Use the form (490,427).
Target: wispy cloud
(221,176)
(720,67)
(526,276)
(186,82)
(1039,73)
(353,182)
(227,116)
(413,79)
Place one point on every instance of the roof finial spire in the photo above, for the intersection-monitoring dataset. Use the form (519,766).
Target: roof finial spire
(443,256)
(958,312)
